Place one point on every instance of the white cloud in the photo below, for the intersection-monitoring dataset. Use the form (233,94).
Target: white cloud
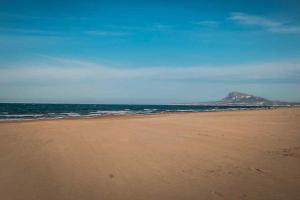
(58,69)
(107,33)
(265,23)
(209,23)
(28,31)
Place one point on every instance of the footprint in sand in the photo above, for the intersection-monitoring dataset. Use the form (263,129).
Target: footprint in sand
(257,170)
(286,152)
(219,194)
(289,152)
(111,176)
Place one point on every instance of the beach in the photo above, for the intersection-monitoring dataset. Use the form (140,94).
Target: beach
(249,154)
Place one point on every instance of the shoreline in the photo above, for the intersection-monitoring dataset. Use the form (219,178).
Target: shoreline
(139,115)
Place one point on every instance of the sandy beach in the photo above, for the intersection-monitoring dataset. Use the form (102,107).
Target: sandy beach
(218,155)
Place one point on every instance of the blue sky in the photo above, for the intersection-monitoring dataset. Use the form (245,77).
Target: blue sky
(148,51)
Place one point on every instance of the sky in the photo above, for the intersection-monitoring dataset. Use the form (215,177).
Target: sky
(148,52)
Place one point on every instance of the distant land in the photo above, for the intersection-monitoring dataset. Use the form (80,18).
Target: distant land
(243,99)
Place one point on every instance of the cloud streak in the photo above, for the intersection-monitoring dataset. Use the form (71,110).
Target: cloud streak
(265,23)
(67,70)
(208,23)
(27,31)
(107,33)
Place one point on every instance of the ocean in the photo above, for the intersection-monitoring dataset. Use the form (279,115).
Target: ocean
(26,111)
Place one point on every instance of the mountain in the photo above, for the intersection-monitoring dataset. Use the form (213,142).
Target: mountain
(243,99)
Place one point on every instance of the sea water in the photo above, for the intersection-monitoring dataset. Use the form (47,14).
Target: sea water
(26,111)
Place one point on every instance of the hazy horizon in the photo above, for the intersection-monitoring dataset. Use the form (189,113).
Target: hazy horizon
(148,52)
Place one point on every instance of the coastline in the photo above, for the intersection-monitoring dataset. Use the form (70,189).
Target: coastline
(143,114)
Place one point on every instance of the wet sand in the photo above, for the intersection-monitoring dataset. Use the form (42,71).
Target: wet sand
(220,155)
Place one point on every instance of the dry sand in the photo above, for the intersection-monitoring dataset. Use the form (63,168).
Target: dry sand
(220,155)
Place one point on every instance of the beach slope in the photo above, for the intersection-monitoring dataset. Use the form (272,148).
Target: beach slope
(218,155)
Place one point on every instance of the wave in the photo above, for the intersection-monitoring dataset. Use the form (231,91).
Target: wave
(21,115)
(58,111)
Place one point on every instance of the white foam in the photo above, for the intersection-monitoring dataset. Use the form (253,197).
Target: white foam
(71,114)
(112,112)
(22,115)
